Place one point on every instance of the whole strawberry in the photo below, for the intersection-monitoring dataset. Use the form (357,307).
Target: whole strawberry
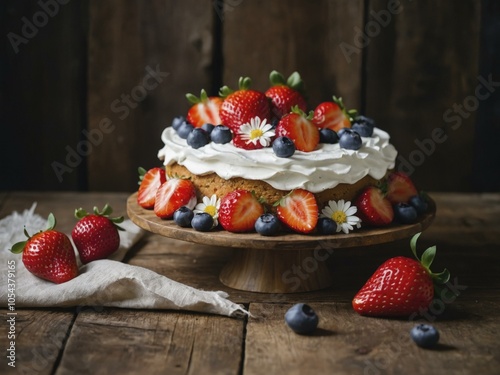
(48,254)
(285,94)
(401,286)
(96,235)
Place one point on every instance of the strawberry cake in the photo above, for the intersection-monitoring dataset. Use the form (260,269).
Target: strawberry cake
(254,158)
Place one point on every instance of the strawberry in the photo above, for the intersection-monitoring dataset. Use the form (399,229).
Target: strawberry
(240,106)
(300,129)
(149,182)
(204,110)
(48,254)
(298,210)
(173,194)
(96,235)
(285,94)
(333,115)
(401,286)
(373,208)
(239,210)
(400,188)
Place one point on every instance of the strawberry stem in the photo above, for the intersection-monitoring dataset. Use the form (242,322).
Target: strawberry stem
(80,213)
(427,259)
(142,172)
(18,247)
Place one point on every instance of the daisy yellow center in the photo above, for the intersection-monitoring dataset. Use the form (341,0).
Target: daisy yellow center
(339,217)
(211,210)
(256,133)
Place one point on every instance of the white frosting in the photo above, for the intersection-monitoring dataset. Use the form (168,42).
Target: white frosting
(321,169)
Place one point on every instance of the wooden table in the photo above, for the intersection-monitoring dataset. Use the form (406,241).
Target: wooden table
(100,340)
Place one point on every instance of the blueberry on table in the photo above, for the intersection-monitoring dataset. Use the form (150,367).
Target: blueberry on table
(302,319)
(424,335)
(328,136)
(221,134)
(283,147)
(326,226)
(202,222)
(267,225)
(198,138)
(208,127)
(177,121)
(419,203)
(184,129)
(183,216)
(350,139)
(404,213)
(364,130)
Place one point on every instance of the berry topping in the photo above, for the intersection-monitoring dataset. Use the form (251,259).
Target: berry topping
(300,129)
(373,208)
(326,226)
(302,319)
(183,216)
(328,136)
(267,225)
(400,188)
(424,335)
(149,182)
(285,94)
(420,203)
(298,210)
(362,129)
(239,210)
(333,115)
(404,213)
(363,120)
(208,127)
(204,109)
(177,121)
(202,222)
(173,194)
(184,129)
(283,147)
(198,138)
(350,140)
(221,134)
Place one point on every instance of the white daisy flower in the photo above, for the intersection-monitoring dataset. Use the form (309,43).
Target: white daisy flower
(210,206)
(257,131)
(343,214)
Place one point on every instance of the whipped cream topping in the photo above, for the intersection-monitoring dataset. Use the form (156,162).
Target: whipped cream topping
(316,171)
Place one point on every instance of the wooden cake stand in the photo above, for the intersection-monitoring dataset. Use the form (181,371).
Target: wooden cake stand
(286,263)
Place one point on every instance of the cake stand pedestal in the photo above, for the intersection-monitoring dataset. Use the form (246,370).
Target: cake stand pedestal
(287,263)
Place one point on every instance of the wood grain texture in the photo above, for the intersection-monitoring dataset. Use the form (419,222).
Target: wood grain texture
(40,338)
(131,342)
(260,36)
(127,40)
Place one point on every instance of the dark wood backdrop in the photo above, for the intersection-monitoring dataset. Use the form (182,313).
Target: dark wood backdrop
(421,69)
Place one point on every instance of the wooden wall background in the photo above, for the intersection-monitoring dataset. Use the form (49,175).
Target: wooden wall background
(79,74)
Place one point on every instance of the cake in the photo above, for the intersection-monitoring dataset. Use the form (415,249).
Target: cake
(265,143)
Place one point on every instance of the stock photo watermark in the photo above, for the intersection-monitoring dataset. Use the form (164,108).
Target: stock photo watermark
(11,312)
(121,107)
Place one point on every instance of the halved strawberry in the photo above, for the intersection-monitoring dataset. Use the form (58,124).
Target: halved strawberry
(333,115)
(373,208)
(400,188)
(285,94)
(300,129)
(149,182)
(172,195)
(204,110)
(239,210)
(240,106)
(298,210)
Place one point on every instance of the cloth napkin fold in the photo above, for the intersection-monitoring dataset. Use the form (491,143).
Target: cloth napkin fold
(106,282)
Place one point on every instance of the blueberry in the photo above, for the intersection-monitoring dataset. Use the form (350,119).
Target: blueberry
(202,222)
(183,216)
(177,121)
(365,121)
(267,225)
(184,129)
(328,136)
(208,128)
(363,129)
(301,318)
(404,213)
(221,134)
(419,202)
(350,139)
(283,147)
(424,335)
(326,226)
(341,131)
(198,138)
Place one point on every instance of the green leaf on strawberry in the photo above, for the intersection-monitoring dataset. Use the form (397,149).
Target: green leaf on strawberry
(80,213)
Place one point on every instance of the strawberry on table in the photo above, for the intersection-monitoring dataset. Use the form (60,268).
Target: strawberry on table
(204,110)
(96,235)
(298,210)
(374,208)
(401,286)
(149,182)
(285,94)
(172,195)
(400,188)
(239,210)
(333,115)
(242,105)
(48,254)
(298,127)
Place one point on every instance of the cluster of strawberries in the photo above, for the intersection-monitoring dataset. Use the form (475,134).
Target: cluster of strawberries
(50,255)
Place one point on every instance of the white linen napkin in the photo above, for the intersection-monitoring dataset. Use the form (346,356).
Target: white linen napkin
(106,282)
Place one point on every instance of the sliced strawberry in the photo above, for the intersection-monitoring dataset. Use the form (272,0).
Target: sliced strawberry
(172,195)
(205,109)
(299,210)
(373,208)
(400,188)
(239,210)
(332,115)
(285,94)
(300,129)
(149,182)
(240,106)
